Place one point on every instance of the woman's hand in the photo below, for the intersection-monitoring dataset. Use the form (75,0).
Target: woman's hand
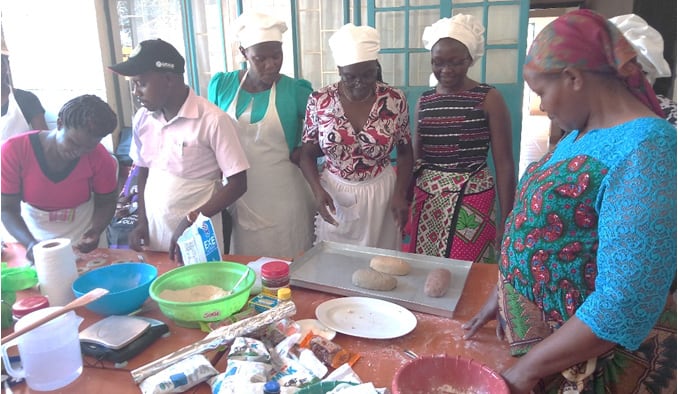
(399,210)
(88,242)
(325,205)
(489,311)
(138,237)
(519,383)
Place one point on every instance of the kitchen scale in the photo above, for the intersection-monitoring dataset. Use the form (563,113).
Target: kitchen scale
(120,338)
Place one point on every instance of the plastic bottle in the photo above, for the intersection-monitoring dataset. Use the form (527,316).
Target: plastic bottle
(271,387)
(274,275)
(284,294)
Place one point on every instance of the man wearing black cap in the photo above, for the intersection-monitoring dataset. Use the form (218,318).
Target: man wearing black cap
(182,144)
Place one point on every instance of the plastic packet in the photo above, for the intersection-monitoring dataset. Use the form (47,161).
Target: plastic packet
(240,372)
(275,333)
(179,377)
(198,243)
(248,349)
(343,374)
(293,374)
(327,351)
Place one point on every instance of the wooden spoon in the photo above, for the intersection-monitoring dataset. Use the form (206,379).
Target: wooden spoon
(78,302)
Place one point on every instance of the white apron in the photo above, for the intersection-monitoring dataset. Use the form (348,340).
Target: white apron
(275,216)
(13,122)
(363,211)
(169,198)
(64,223)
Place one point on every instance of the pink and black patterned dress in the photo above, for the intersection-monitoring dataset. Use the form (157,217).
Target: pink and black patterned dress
(454,199)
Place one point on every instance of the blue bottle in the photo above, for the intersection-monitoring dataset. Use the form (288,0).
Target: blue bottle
(272,387)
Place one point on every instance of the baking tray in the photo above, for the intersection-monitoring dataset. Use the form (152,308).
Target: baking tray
(329,266)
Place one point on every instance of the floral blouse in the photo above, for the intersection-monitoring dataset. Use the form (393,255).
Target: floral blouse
(357,155)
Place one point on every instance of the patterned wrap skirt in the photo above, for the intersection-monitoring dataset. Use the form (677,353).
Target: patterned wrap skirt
(453,215)
(649,369)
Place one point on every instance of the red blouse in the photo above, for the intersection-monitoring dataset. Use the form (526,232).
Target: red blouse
(25,171)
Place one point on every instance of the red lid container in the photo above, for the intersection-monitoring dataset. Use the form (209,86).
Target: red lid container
(275,270)
(27,305)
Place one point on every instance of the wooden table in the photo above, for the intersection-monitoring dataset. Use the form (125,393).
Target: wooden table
(380,358)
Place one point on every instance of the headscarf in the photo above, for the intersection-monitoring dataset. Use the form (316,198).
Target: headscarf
(353,44)
(252,28)
(586,40)
(647,42)
(463,28)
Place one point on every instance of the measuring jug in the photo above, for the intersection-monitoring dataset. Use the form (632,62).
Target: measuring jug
(50,354)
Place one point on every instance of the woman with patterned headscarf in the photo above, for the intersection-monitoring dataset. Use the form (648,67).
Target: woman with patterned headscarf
(589,250)
(453,208)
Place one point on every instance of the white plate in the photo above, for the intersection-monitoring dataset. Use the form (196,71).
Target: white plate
(366,317)
(317,328)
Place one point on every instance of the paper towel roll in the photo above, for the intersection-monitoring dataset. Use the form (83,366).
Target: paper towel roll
(56,269)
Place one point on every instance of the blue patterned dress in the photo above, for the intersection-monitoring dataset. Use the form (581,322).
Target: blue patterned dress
(593,234)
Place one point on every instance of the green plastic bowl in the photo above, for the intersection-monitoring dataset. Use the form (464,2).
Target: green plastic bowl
(222,274)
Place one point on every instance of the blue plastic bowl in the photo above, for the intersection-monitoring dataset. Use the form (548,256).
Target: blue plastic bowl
(127,285)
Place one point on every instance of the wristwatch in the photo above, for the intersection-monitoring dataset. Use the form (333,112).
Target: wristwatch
(192,216)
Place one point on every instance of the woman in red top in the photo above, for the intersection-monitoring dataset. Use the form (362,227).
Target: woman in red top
(62,182)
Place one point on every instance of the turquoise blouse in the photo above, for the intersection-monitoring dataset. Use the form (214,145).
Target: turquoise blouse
(291,97)
(593,229)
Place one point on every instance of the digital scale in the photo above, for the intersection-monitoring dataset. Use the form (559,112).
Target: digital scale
(120,338)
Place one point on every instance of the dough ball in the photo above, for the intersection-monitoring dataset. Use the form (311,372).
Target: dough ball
(437,282)
(390,265)
(373,280)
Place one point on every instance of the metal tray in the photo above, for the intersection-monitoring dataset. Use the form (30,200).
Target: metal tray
(328,267)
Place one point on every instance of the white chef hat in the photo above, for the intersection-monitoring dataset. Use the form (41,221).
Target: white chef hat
(647,42)
(463,28)
(354,44)
(252,28)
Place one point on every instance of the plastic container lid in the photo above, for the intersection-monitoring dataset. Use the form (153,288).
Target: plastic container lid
(275,270)
(272,387)
(29,304)
(284,293)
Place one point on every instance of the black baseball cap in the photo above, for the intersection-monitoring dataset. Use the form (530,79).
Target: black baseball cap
(151,55)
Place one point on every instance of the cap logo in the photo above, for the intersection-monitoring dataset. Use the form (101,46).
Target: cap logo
(160,64)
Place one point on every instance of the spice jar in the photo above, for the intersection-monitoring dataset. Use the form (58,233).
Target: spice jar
(274,275)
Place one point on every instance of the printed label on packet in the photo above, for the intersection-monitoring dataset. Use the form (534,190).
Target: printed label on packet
(199,243)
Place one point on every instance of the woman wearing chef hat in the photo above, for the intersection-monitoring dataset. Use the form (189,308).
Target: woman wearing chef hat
(356,123)
(275,216)
(458,122)
(649,46)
